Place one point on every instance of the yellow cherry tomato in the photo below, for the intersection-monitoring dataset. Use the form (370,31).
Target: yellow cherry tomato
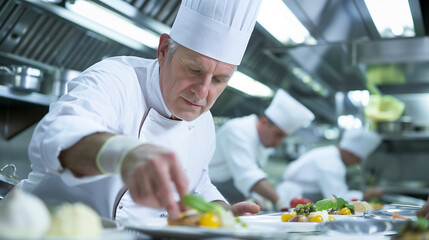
(345,211)
(316,218)
(293,214)
(210,220)
(330,218)
(286,217)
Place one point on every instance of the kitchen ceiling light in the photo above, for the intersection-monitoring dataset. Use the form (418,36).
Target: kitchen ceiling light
(358,97)
(280,22)
(250,86)
(349,122)
(114,21)
(392,18)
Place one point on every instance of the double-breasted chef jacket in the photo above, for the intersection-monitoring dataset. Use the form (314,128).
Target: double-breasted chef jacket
(321,172)
(120,95)
(239,158)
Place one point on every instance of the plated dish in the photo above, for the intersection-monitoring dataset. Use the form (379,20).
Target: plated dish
(275,221)
(158,227)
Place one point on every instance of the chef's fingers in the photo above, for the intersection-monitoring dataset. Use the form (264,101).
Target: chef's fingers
(424,211)
(142,190)
(179,179)
(161,166)
(245,208)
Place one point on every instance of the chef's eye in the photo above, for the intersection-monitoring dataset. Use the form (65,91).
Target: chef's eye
(217,80)
(195,71)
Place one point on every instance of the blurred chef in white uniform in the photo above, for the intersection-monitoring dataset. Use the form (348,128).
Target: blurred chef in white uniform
(133,135)
(243,147)
(321,172)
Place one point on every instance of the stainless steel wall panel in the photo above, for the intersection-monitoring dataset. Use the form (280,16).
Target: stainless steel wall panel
(7,35)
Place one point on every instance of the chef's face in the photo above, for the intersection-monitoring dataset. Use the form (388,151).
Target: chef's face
(350,159)
(270,135)
(190,82)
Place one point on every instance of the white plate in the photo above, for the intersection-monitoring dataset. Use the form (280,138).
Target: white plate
(276,222)
(360,227)
(158,227)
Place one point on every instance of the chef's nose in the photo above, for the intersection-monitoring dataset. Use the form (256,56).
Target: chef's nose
(201,88)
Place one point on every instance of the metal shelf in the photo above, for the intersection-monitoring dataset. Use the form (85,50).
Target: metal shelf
(30,97)
(407,136)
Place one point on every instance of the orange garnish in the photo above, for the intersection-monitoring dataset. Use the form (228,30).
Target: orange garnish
(397,216)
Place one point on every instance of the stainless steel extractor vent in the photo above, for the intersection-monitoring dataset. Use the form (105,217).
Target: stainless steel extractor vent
(29,33)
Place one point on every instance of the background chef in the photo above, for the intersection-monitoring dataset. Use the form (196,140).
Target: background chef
(132,131)
(321,172)
(242,148)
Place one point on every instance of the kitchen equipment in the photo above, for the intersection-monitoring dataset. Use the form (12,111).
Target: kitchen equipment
(22,78)
(7,181)
(382,108)
(400,126)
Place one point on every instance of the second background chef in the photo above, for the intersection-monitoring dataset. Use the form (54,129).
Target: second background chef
(242,147)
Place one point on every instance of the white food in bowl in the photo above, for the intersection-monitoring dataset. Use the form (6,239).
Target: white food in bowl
(23,216)
(75,220)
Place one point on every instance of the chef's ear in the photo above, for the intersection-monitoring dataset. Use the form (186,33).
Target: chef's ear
(163,47)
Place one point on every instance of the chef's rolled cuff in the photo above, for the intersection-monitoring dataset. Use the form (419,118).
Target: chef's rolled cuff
(111,155)
(246,180)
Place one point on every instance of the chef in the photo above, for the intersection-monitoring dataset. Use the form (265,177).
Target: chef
(321,172)
(133,135)
(243,146)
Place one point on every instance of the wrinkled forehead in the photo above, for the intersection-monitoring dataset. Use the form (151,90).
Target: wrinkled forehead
(185,53)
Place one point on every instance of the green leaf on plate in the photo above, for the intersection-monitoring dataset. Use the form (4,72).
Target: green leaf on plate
(349,206)
(324,204)
(340,203)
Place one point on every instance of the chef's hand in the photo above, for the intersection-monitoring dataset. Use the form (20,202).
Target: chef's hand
(424,212)
(373,193)
(148,171)
(245,209)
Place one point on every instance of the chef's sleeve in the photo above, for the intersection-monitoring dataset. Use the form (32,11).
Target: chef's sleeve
(242,160)
(93,104)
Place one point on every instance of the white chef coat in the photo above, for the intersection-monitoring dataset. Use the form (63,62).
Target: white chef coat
(120,95)
(320,170)
(239,154)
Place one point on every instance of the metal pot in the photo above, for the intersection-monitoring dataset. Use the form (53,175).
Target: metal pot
(23,78)
(400,126)
(7,182)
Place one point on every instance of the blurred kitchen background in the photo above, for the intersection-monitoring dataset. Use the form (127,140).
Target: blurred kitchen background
(331,55)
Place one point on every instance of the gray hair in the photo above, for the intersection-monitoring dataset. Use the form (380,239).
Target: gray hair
(172,47)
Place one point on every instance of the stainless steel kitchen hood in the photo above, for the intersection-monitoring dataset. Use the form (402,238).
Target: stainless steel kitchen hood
(348,44)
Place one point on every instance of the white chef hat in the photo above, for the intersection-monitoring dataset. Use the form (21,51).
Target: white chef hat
(219,29)
(360,142)
(287,113)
